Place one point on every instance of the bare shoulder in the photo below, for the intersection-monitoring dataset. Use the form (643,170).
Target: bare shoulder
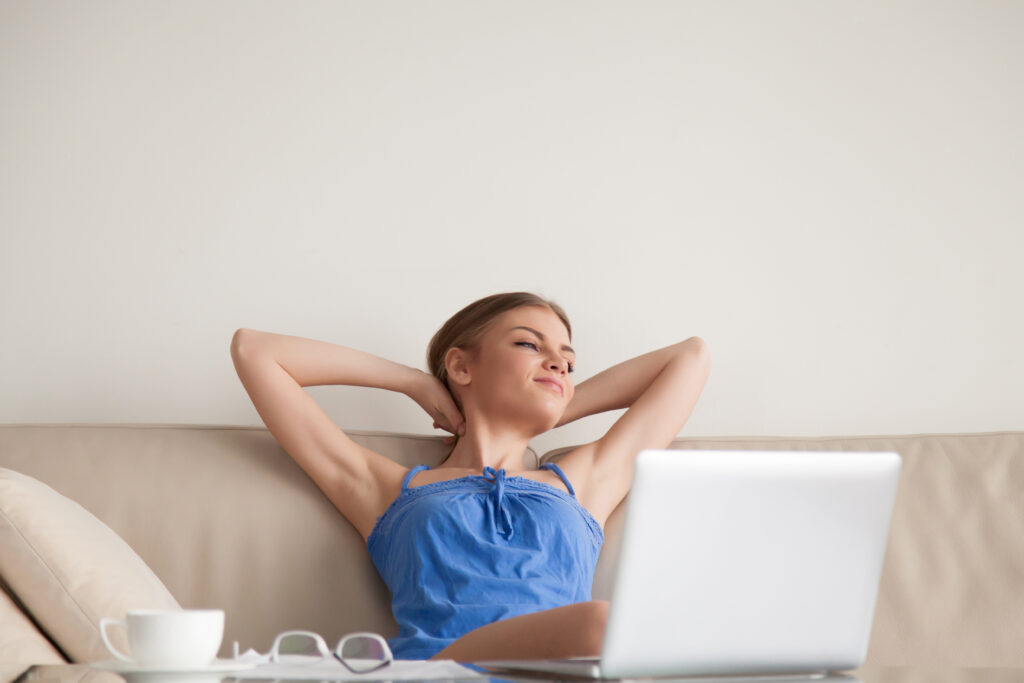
(578,467)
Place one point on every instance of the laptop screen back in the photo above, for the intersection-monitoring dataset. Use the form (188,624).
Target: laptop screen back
(749,562)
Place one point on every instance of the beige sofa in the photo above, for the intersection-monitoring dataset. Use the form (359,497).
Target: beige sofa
(220,516)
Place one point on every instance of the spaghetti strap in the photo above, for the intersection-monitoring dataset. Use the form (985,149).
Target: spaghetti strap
(411,473)
(558,471)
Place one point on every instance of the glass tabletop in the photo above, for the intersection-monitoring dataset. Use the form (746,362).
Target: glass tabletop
(83,673)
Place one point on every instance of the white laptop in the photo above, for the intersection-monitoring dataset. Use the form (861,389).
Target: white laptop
(744,563)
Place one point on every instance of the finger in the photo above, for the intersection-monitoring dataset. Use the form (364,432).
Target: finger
(457,422)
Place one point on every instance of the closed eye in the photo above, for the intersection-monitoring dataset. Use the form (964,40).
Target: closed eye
(572,368)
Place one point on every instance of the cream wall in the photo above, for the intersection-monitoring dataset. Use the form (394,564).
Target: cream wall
(828,193)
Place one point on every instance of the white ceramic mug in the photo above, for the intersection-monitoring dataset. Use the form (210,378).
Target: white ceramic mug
(171,638)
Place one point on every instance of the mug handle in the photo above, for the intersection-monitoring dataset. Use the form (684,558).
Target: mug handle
(104,622)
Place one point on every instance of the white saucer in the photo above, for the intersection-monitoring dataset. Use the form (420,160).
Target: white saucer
(216,666)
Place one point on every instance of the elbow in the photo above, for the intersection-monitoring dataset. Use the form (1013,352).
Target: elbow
(697,348)
(697,345)
(241,343)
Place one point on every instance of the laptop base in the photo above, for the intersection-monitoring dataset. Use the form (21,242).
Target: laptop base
(590,668)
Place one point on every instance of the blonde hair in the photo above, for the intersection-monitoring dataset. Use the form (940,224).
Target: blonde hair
(466,329)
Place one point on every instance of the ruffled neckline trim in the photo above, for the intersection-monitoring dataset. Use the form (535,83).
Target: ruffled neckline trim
(487,485)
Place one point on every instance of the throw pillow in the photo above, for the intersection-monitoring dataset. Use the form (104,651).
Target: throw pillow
(68,569)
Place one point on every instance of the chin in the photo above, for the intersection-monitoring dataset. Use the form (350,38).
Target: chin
(540,416)
(553,419)
(541,422)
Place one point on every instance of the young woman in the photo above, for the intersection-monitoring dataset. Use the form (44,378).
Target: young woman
(484,559)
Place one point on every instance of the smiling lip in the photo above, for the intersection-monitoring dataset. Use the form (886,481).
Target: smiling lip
(553,383)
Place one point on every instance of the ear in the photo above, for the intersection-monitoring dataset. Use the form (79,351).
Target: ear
(456,361)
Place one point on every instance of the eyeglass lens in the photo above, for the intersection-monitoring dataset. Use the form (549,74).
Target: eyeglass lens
(361,654)
(298,645)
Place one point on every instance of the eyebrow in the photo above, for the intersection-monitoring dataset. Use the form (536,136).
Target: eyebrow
(565,347)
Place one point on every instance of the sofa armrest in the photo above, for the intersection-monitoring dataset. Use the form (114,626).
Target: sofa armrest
(21,643)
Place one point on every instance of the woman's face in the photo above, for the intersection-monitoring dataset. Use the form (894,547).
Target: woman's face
(524,346)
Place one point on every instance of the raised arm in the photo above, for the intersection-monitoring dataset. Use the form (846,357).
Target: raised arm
(660,390)
(274,368)
(620,385)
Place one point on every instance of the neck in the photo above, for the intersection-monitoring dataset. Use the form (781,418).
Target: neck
(487,446)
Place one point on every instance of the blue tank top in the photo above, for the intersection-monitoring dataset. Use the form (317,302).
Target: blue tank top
(467,552)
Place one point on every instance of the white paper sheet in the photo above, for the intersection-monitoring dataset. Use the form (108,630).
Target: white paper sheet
(302,667)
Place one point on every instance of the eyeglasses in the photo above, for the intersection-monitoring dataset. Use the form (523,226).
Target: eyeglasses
(360,652)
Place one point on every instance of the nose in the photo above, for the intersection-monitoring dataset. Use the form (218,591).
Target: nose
(559,364)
